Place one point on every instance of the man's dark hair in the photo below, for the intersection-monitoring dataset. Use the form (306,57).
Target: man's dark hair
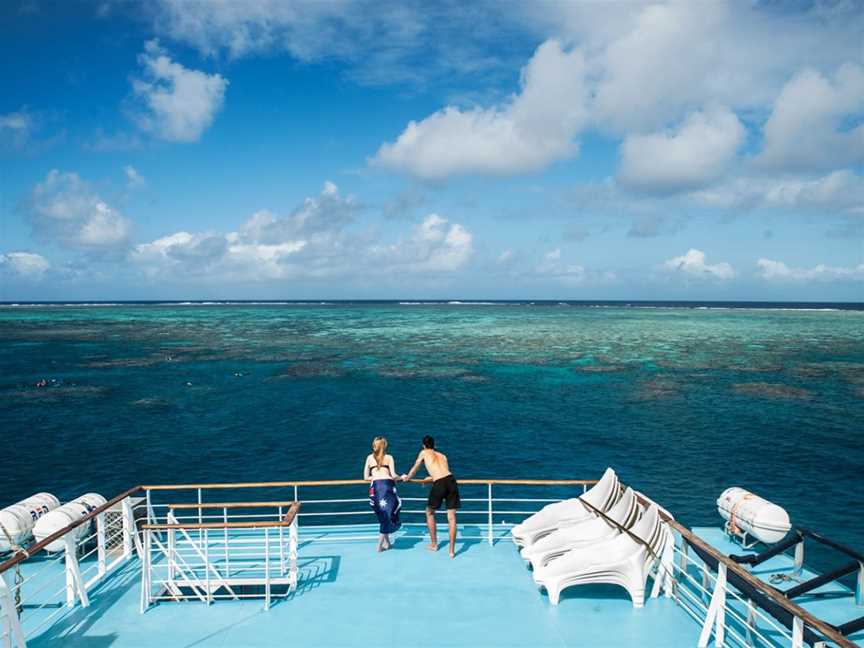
(428,442)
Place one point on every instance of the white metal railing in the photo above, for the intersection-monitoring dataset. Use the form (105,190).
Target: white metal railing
(38,591)
(208,551)
(720,609)
(228,559)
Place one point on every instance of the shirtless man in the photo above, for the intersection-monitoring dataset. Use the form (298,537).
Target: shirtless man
(444,488)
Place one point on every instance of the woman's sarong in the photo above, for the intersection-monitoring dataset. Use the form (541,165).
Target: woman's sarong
(386,504)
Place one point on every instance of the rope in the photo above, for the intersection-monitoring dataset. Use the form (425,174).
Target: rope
(19,579)
(657,558)
(733,514)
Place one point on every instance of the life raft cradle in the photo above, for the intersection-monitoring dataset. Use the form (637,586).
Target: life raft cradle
(796,538)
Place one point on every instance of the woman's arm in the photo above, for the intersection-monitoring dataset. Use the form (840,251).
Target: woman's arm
(392,463)
(367,472)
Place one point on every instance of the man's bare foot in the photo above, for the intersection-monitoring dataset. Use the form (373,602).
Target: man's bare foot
(432,547)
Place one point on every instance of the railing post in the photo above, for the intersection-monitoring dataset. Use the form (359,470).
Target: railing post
(797,632)
(73,575)
(266,568)
(172,558)
(145,569)
(292,553)
(859,586)
(100,544)
(207,564)
(716,613)
(11,622)
(227,559)
(684,558)
(799,557)
(200,518)
(281,545)
(751,622)
(128,527)
(489,501)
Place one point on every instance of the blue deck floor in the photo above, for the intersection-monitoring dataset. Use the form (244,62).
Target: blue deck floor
(351,596)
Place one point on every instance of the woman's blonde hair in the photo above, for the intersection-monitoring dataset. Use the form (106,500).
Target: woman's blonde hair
(379,450)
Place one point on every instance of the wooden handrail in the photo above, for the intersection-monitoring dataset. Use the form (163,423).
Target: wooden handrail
(287,520)
(827,630)
(357,482)
(230,505)
(217,525)
(39,546)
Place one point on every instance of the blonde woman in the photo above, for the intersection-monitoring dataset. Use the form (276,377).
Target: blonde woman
(380,470)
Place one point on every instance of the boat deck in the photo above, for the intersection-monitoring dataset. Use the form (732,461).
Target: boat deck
(348,595)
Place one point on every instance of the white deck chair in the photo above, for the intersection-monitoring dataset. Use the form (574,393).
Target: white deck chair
(603,495)
(625,512)
(620,561)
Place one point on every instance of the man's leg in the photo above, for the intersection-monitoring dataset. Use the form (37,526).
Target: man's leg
(433,531)
(451,524)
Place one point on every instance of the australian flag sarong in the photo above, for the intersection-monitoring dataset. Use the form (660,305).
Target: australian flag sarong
(386,504)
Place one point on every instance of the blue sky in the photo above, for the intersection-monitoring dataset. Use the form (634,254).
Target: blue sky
(262,149)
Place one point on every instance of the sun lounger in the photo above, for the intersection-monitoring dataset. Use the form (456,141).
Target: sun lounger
(625,513)
(603,495)
(620,561)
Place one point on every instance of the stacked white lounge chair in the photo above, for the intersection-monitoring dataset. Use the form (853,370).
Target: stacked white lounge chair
(603,495)
(569,543)
(591,530)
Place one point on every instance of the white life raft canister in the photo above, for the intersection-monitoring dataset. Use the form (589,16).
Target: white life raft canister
(17,521)
(748,513)
(64,516)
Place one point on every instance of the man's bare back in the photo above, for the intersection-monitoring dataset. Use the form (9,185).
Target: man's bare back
(435,462)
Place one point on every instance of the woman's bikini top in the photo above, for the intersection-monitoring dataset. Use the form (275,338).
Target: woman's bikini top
(377,467)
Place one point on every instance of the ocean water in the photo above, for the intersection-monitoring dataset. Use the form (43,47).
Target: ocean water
(681,401)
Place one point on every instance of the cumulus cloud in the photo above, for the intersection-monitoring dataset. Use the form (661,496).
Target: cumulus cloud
(64,208)
(692,264)
(133,179)
(779,271)
(552,265)
(526,133)
(314,241)
(694,155)
(174,103)
(436,245)
(16,128)
(841,190)
(27,265)
(807,129)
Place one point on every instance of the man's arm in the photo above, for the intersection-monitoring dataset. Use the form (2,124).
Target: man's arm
(415,468)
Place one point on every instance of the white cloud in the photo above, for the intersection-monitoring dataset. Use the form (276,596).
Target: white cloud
(692,264)
(526,133)
(63,207)
(653,62)
(552,265)
(16,128)
(837,191)
(779,271)
(693,156)
(133,178)
(176,104)
(436,245)
(314,241)
(24,264)
(375,43)
(806,130)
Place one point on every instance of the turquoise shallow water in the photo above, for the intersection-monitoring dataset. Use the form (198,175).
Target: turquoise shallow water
(682,402)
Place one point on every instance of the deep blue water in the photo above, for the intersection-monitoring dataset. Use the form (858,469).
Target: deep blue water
(682,402)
